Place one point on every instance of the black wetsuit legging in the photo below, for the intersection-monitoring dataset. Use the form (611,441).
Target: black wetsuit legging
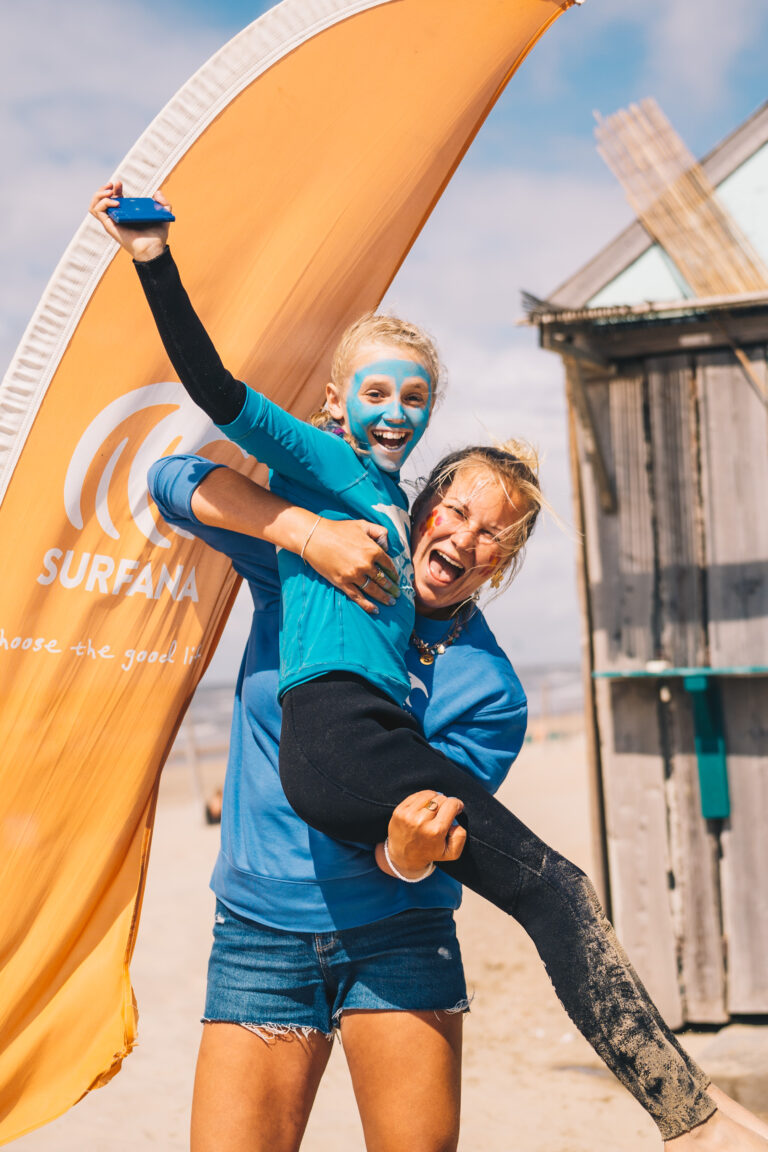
(349,755)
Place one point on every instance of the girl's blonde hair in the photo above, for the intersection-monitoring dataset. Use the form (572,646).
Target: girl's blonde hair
(514,466)
(375,326)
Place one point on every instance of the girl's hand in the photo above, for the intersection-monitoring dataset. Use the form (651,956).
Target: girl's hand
(423,829)
(140,243)
(348,553)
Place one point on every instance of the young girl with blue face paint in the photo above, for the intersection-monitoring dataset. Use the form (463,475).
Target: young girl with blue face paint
(349,751)
(386,407)
(381,392)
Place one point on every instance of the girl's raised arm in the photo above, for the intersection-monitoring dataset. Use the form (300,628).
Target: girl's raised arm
(261,428)
(189,347)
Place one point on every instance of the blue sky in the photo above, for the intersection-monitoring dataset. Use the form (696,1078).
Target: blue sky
(531,202)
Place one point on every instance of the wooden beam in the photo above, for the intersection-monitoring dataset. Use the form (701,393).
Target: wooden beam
(578,398)
(601,878)
(720,319)
(632,341)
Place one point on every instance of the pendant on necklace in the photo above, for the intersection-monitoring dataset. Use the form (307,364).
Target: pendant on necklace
(427,658)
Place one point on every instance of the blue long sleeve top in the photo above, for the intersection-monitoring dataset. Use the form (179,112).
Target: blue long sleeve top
(326,631)
(272,867)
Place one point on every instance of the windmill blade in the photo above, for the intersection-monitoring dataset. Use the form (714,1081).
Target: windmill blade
(676,202)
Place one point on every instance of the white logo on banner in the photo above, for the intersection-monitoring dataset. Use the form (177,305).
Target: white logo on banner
(187,427)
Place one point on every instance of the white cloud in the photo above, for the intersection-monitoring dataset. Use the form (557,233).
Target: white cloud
(495,232)
(78,84)
(694,48)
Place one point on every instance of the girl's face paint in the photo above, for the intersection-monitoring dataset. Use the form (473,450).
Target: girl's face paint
(388,405)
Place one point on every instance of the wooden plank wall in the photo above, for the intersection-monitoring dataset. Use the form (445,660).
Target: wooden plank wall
(734,422)
(619,564)
(681,640)
(680,573)
(681,637)
(695,853)
(638,850)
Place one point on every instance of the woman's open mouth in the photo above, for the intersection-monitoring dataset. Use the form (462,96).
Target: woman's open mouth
(442,568)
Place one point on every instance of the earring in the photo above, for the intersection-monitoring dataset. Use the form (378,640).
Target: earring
(497,578)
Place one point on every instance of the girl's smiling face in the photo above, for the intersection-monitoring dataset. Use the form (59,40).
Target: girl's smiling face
(387,402)
(458,542)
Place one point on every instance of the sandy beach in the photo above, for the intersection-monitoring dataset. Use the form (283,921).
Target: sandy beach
(530,1082)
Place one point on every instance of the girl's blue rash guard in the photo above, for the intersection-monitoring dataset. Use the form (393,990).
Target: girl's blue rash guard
(272,867)
(324,630)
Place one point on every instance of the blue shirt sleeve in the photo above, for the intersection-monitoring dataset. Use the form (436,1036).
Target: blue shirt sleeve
(292,447)
(486,739)
(471,703)
(172,481)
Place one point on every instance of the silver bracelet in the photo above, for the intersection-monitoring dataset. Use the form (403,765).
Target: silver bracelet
(407,879)
(309,537)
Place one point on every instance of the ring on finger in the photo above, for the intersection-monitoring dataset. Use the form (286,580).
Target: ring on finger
(432,805)
(364,583)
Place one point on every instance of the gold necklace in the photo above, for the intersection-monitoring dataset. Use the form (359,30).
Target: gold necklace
(428,652)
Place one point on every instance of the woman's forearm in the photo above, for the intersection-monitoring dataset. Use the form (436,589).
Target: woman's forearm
(346,553)
(227,499)
(186,341)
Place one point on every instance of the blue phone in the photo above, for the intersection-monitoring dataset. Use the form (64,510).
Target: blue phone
(139,212)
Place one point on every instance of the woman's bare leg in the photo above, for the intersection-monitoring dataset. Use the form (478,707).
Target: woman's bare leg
(252,1094)
(406,1074)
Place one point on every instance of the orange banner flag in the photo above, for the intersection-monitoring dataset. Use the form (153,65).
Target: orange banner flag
(302,161)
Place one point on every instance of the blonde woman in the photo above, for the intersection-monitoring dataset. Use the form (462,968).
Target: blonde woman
(311,936)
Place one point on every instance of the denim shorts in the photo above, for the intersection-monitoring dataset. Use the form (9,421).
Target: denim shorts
(267,978)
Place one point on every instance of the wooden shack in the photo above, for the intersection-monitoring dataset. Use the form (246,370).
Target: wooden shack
(668,407)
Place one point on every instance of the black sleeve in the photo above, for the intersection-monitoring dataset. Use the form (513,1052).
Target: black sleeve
(187,343)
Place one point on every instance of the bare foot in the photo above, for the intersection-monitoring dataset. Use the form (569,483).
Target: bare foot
(737,1111)
(718,1134)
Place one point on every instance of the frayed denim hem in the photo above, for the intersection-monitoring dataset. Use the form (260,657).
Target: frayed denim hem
(269,1032)
(459,1008)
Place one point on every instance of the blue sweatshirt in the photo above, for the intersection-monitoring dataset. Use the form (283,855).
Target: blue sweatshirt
(272,867)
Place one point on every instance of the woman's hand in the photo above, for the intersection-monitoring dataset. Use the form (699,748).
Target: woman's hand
(349,554)
(422,829)
(140,243)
